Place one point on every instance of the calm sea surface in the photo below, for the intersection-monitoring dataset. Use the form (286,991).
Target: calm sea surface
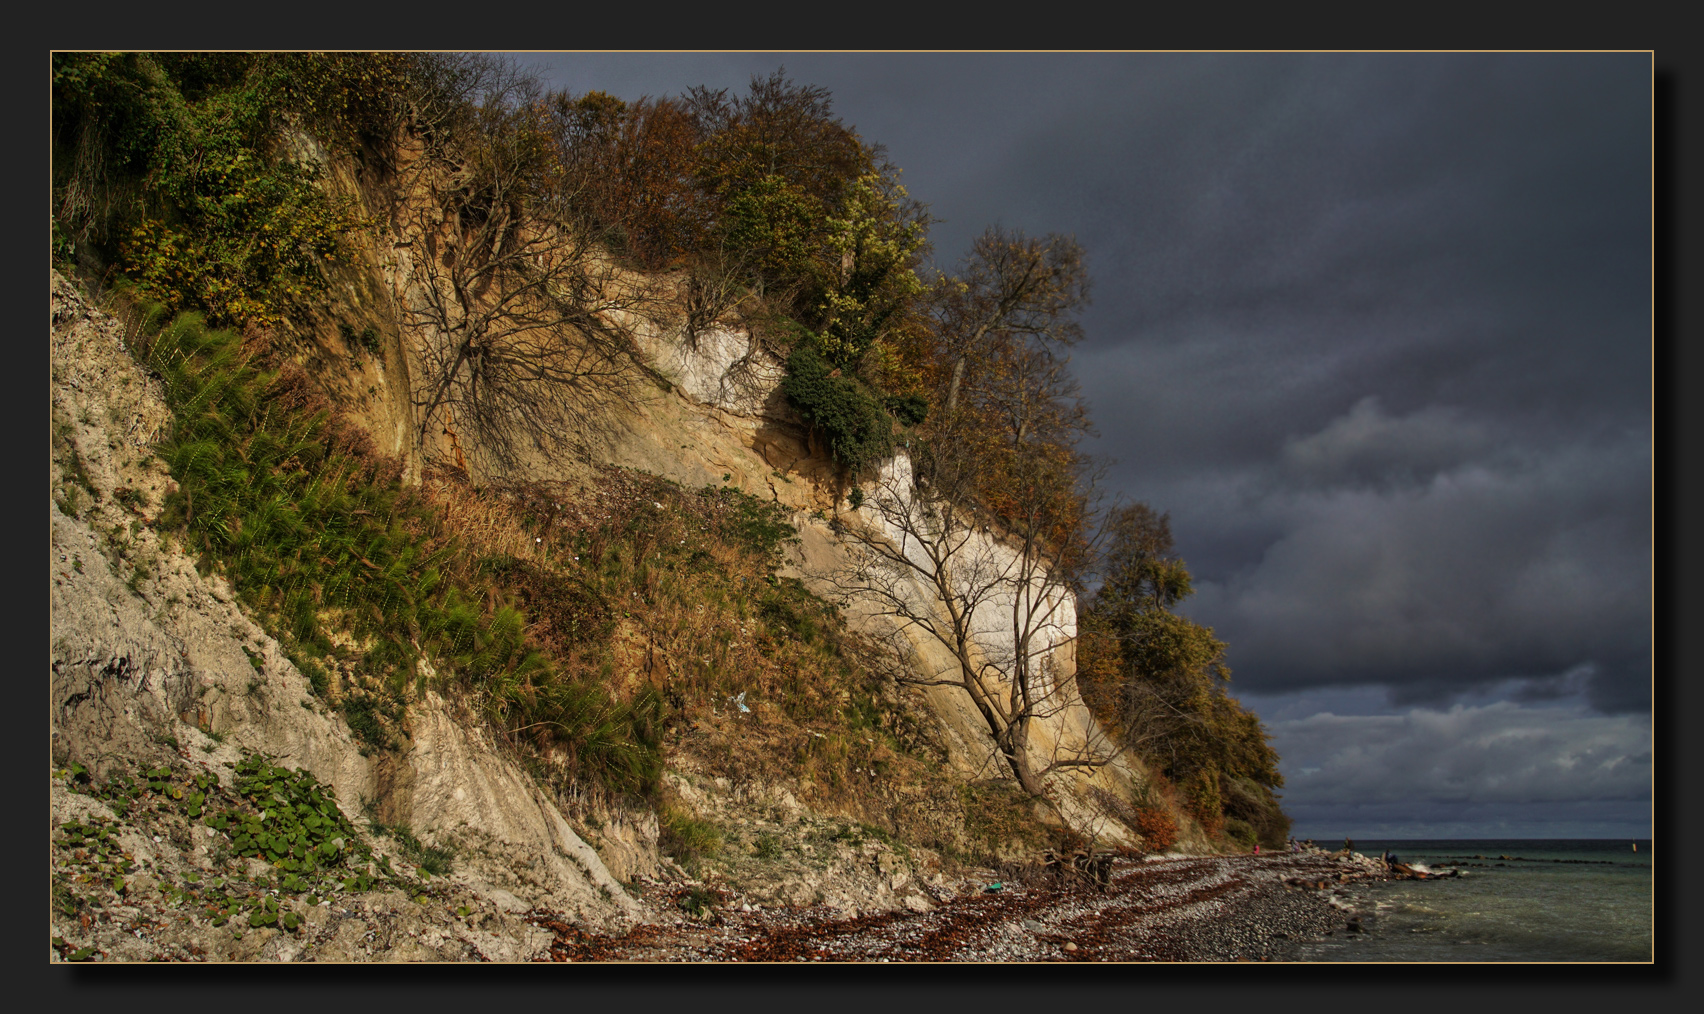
(1594,906)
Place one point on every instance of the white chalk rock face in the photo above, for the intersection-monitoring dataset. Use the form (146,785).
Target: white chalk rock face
(1013,606)
(514,840)
(721,368)
(1011,599)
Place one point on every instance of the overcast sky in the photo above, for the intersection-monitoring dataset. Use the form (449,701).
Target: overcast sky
(1375,331)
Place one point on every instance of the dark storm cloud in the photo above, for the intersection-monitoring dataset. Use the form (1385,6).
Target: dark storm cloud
(1467,229)
(1414,552)
(1503,768)
(1382,351)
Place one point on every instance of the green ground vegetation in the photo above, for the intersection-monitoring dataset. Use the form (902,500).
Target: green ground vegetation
(346,565)
(283,819)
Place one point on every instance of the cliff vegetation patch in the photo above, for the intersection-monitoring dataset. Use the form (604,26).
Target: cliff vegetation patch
(273,842)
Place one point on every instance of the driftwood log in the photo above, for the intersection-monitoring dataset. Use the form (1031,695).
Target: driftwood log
(1093,867)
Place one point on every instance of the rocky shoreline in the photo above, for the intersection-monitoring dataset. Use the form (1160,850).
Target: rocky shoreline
(1154,908)
(1173,908)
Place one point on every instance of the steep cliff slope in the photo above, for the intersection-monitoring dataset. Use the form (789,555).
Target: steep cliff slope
(160,679)
(154,666)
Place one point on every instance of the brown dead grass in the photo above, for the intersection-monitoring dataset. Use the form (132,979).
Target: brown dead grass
(642,585)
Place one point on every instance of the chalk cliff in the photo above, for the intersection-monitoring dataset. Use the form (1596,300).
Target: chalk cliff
(154,663)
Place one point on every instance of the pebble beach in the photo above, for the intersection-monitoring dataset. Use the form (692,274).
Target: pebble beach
(1157,908)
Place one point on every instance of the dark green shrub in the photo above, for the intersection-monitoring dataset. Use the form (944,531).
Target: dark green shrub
(1241,832)
(909,409)
(699,902)
(839,407)
(367,338)
(999,820)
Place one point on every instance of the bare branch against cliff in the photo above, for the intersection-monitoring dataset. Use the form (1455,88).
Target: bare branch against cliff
(998,597)
(522,324)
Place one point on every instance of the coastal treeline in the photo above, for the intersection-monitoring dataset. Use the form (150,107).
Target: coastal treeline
(1158,681)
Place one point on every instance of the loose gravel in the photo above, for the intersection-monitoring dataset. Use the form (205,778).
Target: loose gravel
(1217,908)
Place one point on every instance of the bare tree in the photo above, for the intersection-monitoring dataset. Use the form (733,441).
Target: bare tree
(1011,287)
(978,538)
(999,598)
(521,321)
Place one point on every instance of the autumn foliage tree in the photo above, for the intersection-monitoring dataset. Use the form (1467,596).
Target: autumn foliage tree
(1159,681)
(632,170)
(1011,289)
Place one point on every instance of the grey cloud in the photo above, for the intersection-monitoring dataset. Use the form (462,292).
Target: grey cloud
(1497,753)
(1575,683)
(1528,567)
(1368,447)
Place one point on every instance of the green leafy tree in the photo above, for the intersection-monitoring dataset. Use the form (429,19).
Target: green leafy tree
(775,165)
(872,248)
(175,167)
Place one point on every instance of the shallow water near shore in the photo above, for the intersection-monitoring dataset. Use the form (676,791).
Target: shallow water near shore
(1515,900)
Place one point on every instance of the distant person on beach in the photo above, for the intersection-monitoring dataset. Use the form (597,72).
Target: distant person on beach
(1348,845)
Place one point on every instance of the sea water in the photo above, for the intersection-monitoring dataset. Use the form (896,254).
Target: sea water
(1515,900)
